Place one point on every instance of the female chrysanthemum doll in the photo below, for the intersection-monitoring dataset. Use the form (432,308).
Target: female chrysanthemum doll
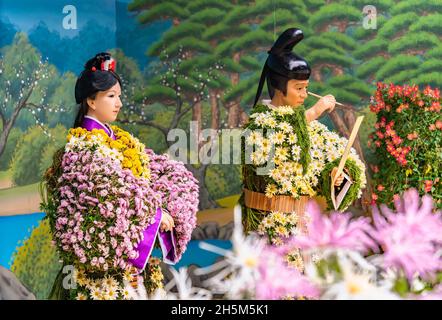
(105,211)
(302,152)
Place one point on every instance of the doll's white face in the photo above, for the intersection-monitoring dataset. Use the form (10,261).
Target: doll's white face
(296,93)
(106,105)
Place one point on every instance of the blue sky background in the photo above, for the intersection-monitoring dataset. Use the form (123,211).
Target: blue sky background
(101,25)
(26,14)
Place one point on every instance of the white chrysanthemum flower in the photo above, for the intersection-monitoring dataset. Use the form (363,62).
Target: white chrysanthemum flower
(278,217)
(239,269)
(265,144)
(282,110)
(260,119)
(112,293)
(298,168)
(125,294)
(314,180)
(109,282)
(296,152)
(292,138)
(332,155)
(357,285)
(315,153)
(286,127)
(267,223)
(96,293)
(270,190)
(81,296)
(255,137)
(270,122)
(281,153)
(184,287)
(286,186)
(261,156)
(258,157)
(293,218)
(282,231)
(277,137)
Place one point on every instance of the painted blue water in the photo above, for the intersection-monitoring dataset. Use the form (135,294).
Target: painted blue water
(195,255)
(18,228)
(12,230)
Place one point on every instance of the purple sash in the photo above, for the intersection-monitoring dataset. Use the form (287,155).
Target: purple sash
(145,246)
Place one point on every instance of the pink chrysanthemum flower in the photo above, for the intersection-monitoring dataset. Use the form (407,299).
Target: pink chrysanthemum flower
(411,237)
(336,231)
(276,280)
(180,195)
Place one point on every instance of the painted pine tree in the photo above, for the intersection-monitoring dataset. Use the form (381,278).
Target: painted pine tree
(405,49)
(188,72)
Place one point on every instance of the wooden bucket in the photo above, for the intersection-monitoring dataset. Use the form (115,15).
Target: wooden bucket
(285,204)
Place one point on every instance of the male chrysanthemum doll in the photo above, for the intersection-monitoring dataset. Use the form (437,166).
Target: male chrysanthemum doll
(288,156)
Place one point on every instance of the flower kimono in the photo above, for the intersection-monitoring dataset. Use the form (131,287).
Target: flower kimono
(302,156)
(105,214)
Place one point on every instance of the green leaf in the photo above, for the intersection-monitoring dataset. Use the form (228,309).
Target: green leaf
(401,286)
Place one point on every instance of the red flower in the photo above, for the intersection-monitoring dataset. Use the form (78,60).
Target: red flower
(428,184)
(397,140)
(432,93)
(380,187)
(412,136)
(390,132)
(377,143)
(401,107)
(435,107)
(439,124)
(432,127)
(380,135)
(390,148)
(374,197)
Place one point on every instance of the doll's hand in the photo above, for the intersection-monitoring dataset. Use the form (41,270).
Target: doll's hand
(340,179)
(166,222)
(327,102)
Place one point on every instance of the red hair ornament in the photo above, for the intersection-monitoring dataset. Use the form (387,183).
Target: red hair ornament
(108,65)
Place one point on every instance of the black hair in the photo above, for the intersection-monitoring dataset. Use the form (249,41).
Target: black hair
(276,81)
(92,80)
(282,64)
